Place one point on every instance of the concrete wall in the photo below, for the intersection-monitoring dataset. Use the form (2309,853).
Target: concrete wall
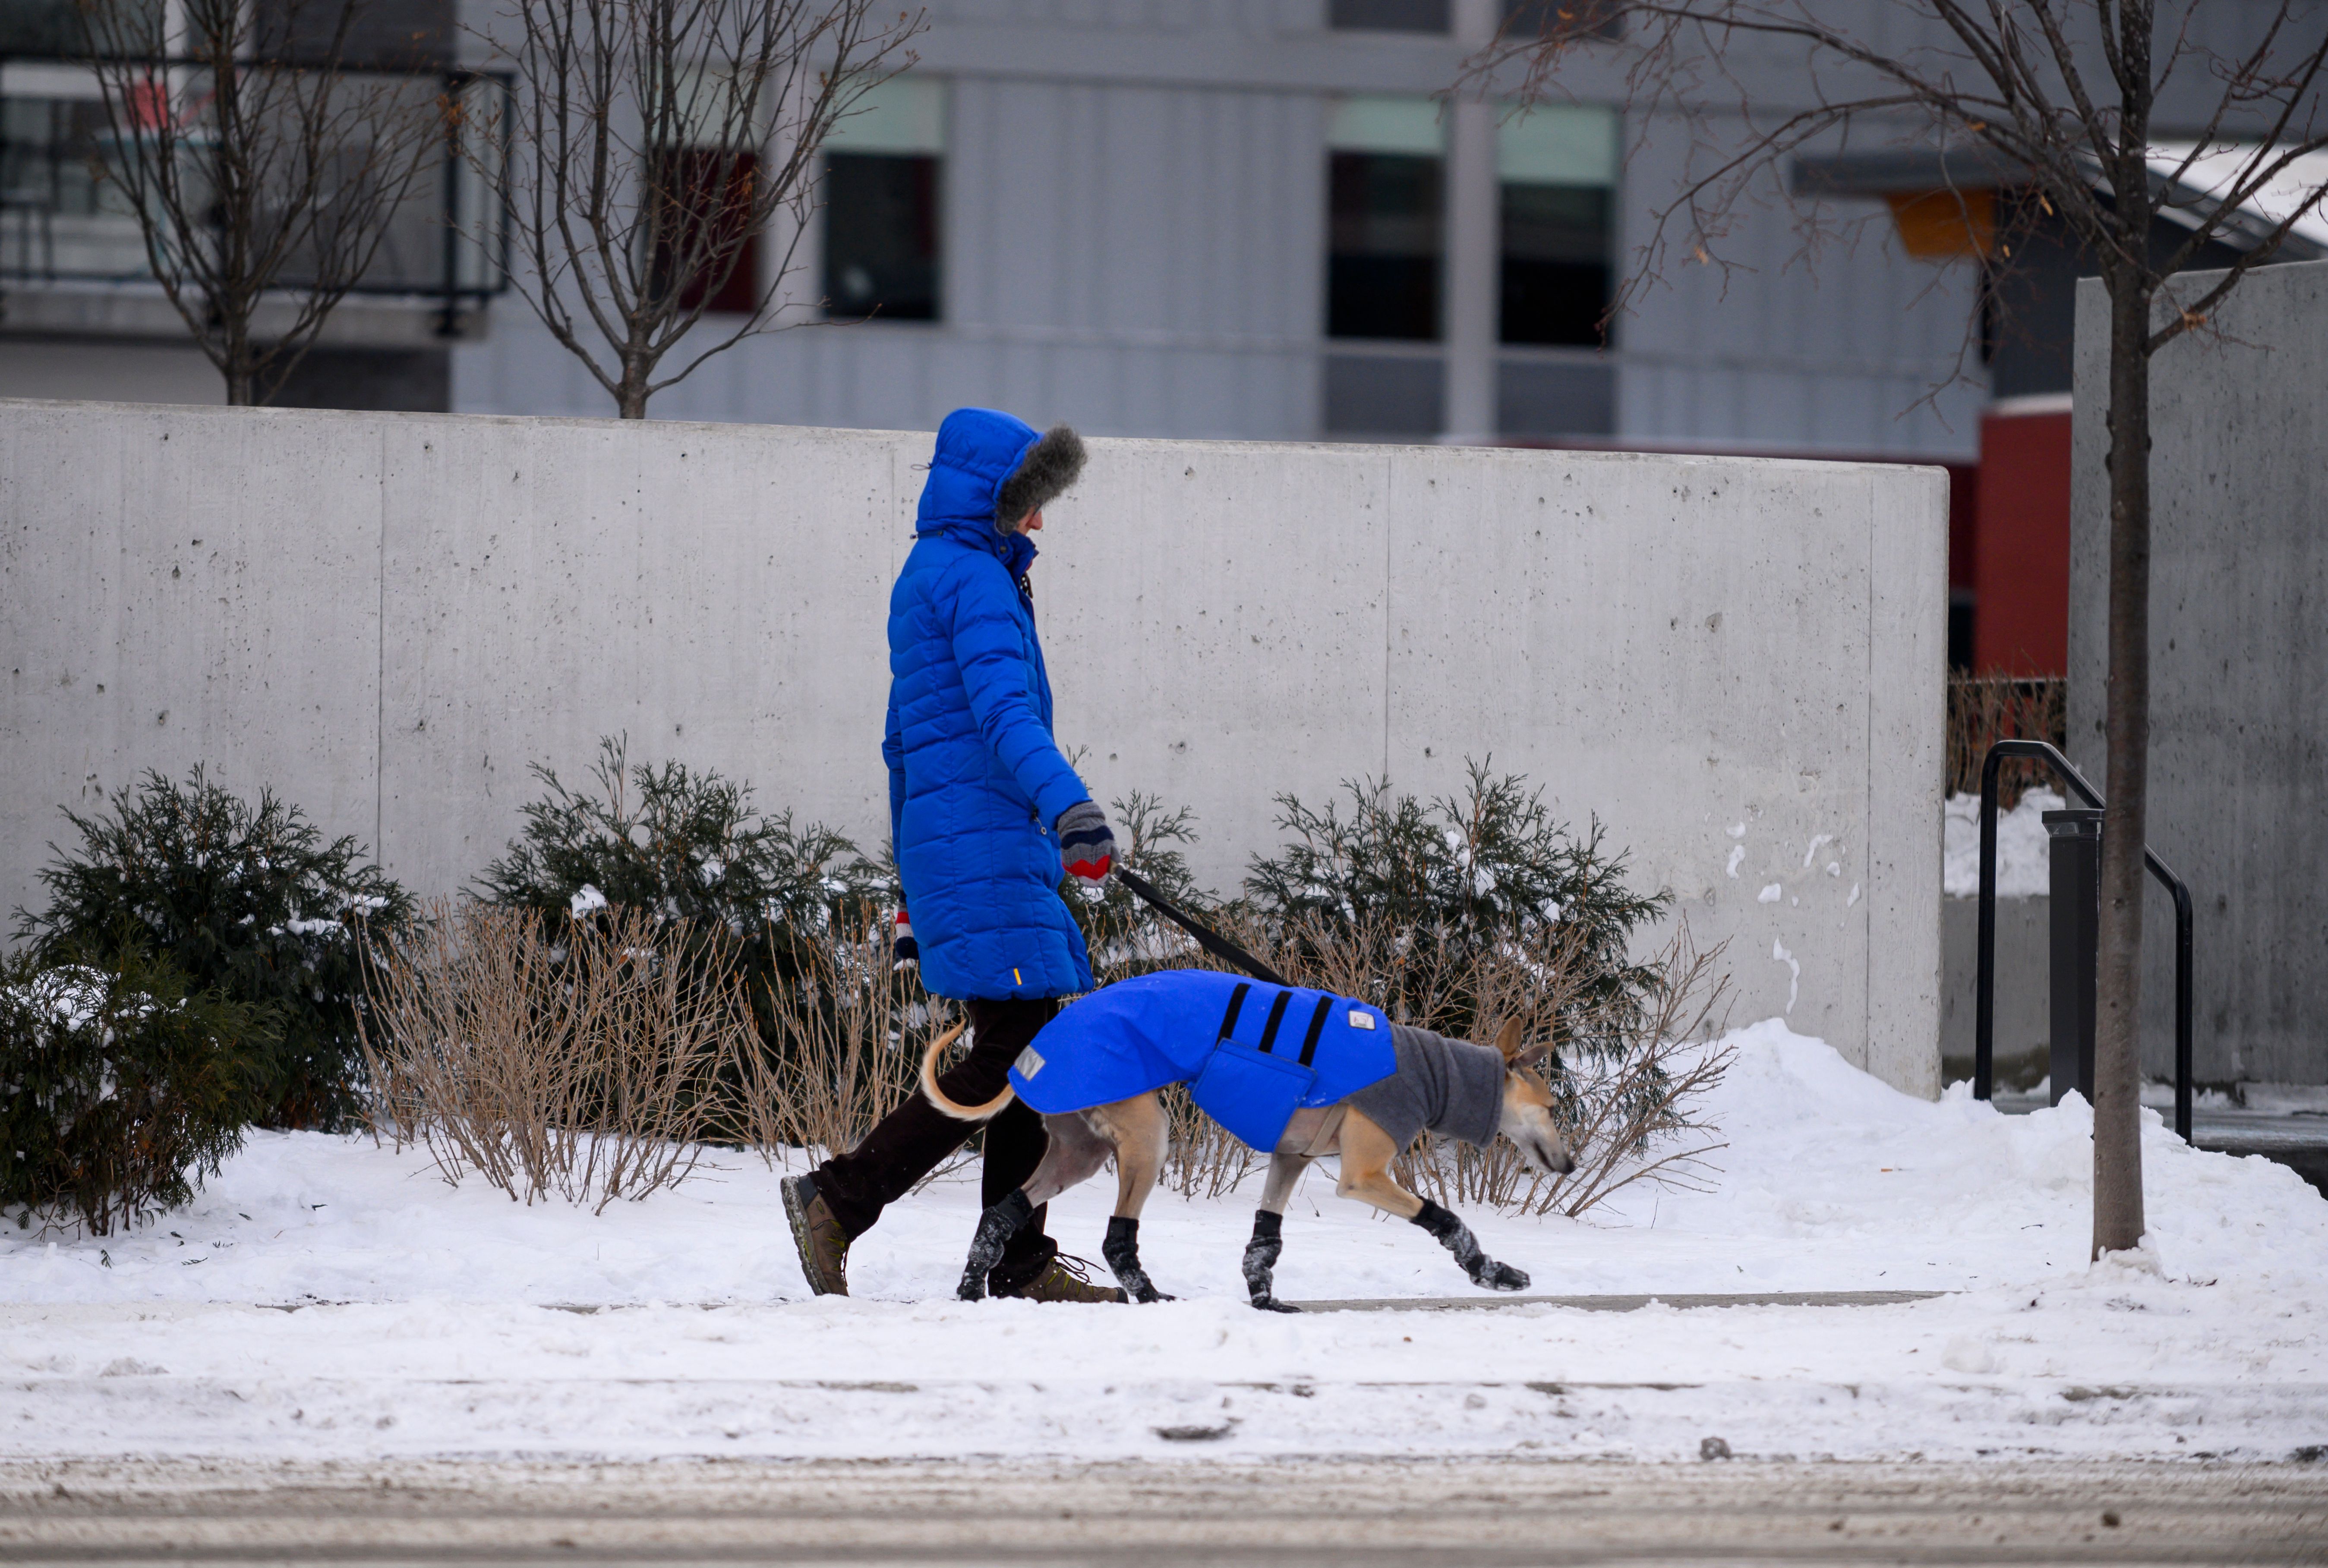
(2025,1017)
(2239,760)
(1736,664)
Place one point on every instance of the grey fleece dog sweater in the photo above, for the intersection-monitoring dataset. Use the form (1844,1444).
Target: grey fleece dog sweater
(1453,1087)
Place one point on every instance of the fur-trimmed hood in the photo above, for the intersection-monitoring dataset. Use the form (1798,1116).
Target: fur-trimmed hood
(1043,476)
(988,462)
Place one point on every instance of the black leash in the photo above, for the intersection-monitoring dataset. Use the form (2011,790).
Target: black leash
(1211,940)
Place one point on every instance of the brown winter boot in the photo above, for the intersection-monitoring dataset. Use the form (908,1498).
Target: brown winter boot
(823,1246)
(1065,1279)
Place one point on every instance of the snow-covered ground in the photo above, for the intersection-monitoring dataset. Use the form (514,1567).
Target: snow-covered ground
(2021,866)
(329,1297)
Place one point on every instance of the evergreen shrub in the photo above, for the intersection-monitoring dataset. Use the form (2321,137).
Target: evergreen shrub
(1429,888)
(251,906)
(1458,914)
(730,894)
(680,845)
(122,1085)
(687,849)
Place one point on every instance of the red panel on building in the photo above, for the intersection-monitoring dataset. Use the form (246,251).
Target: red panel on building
(2020,566)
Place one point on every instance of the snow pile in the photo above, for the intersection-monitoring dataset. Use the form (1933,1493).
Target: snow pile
(2020,856)
(434,1325)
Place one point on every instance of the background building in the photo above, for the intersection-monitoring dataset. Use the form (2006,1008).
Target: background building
(1253,220)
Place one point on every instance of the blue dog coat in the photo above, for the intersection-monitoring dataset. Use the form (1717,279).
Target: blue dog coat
(1251,1053)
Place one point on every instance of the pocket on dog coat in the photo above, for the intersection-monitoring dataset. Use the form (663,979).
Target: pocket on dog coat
(1251,1094)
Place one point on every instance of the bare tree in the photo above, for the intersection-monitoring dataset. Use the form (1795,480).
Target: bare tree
(2060,98)
(263,173)
(654,143)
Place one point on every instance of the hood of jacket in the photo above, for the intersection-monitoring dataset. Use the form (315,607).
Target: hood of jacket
(976,450)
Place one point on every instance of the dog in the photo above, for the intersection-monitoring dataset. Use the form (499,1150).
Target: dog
(1161,1036)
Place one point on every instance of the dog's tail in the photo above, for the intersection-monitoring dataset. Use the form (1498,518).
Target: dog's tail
(937,1096)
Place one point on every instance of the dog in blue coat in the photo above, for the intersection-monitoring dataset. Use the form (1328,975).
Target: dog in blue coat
(1297,1072)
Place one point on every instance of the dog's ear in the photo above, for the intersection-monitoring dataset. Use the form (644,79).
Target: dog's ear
(1517,1052)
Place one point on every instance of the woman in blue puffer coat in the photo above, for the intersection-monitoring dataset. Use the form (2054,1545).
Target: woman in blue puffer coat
(985,815)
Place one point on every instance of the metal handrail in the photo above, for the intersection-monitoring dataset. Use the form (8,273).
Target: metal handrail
(1983,1058)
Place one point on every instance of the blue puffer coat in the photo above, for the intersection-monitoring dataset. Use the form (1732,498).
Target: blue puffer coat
(975,779)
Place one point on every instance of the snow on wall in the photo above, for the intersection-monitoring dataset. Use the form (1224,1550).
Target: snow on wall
(2023,868)
(1733,664)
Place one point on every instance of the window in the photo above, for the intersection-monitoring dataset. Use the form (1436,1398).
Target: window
(1524,19)
(883,171)
(1557,167)
(49,149)
(58,218)
(40,28)
(1387,16)
(706,195)
(1384,231)
(703,180)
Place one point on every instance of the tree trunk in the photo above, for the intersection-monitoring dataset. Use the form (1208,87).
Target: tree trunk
(240,383)
(2118,1028)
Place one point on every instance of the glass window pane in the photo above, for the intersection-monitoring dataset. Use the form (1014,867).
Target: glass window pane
(906,114)
(1384,245)
(47,28)
(1387,16)
(1370,124)
(704,199)
(1556,263)
(1559,144)
(1566,18)
(881,236)
(1563,397)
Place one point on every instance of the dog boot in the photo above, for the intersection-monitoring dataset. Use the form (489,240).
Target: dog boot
(824,1244)
(1261,1254)
(1121,1251)
(1065,1279)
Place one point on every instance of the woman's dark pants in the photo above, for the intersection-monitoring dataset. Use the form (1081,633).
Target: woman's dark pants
(911,1140)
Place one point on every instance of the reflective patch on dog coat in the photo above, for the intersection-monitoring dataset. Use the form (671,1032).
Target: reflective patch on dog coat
(1361,1020)
(1029,1063)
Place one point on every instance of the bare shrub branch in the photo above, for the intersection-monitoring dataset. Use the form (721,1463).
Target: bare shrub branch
(588,1070)
(850,1036)
(1984,709)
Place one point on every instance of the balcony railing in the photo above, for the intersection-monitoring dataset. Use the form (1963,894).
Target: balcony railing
(446,247)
